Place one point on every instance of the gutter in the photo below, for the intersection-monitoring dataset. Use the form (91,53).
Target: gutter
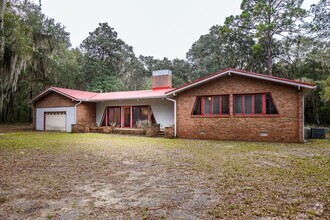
(174,101)
(75,111)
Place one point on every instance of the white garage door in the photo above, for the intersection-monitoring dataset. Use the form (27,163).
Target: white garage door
(55,121)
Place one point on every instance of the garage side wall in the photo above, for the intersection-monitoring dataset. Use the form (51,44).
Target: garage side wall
(287,126)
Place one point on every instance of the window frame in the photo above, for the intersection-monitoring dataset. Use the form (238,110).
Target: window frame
(263,103)
(202,112)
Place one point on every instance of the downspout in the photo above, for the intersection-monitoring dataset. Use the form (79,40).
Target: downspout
(75,112)
(174,101)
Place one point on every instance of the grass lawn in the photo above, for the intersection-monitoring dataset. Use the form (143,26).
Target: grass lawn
(98,176)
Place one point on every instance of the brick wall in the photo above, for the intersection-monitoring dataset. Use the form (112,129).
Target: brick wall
(162,81)
(86,112)
(286,127)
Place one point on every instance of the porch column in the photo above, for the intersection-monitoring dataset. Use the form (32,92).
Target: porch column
(106,116)
(149,113)
(131,119)
(121,116)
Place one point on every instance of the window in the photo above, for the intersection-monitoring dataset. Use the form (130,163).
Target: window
(127,116)
(248,104)
(225,105)
(197,109)
(212,105)
(238,104)
(112,116)
(207,105)
(216,105)
(254,104)
(140,113)
(258,104)
(270,108)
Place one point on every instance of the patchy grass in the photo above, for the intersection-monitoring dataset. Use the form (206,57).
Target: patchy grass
(73,176)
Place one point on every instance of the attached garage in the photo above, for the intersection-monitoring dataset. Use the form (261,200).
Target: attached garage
(56,109)
(55,121)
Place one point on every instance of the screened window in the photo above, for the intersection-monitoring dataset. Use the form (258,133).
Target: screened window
(211,105)
(256,104)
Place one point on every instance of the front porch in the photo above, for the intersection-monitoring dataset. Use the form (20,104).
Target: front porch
(127,117)
(127,113)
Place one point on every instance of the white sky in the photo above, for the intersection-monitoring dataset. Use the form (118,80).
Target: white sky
(159,28)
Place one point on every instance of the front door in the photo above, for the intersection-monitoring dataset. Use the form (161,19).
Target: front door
(127,116)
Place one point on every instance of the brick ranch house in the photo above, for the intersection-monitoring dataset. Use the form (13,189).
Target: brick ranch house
(228,105)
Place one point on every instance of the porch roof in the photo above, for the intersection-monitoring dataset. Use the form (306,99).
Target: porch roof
(139,94)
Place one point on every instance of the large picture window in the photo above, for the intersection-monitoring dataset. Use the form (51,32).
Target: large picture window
(211,105)
(254,104)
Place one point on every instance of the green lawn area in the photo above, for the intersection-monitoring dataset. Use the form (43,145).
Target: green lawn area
(88,176)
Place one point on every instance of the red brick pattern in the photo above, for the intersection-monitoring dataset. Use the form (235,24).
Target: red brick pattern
(54,99)
(162,81)
(285,127)
(86,113)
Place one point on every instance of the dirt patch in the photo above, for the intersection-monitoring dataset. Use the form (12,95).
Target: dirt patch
(94,176)
(9,128)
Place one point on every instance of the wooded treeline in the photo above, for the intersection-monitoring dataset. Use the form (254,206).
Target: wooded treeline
(275,37)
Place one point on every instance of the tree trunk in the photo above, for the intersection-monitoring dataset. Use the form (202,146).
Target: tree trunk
(2,32)
(270,57)
(2,50)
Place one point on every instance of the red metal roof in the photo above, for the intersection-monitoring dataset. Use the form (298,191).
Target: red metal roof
(76,94)
(140,94)
(245,73)
(79,95)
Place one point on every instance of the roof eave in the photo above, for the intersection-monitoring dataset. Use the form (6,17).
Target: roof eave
(50,89)
(243,74)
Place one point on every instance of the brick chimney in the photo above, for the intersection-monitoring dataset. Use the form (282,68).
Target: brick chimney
(162,79)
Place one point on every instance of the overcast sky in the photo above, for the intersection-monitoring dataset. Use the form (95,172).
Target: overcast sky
(159,28)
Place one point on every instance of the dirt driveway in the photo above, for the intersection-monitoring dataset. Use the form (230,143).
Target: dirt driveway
(97,176)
